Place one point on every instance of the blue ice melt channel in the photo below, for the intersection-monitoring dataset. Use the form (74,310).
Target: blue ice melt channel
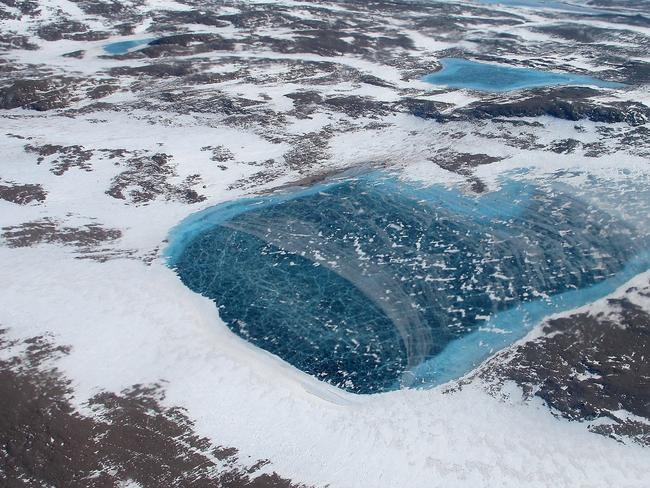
(373,284)
(463,73)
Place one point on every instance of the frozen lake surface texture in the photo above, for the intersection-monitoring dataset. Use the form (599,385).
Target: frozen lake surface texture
(463,73)
(373,284)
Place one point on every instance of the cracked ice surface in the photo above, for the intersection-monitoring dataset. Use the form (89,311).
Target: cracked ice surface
(373,284)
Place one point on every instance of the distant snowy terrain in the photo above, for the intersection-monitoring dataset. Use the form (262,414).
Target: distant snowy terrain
(108,147)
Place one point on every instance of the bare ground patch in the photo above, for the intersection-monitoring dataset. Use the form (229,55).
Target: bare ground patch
(588,367)
(22,194)
(53,232)
(130,436)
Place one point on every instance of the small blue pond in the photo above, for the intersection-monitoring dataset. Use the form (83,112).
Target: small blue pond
(463,73)
(123,47)
(373,284)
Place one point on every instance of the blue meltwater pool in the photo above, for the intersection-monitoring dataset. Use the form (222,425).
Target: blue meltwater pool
(463,73)
(373,284)
(123,47)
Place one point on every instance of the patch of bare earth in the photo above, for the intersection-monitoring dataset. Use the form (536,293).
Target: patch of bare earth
(53,232)
(130,436)
(22,194)
(588,367)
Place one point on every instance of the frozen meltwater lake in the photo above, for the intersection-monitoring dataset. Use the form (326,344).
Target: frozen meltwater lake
(374,284)
(123,47)
(463,73)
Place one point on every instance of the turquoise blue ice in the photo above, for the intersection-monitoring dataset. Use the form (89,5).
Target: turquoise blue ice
(371,283)
(123,47)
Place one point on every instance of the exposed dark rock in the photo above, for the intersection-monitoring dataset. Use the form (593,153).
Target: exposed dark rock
(632,113)
(146,178)
(26,7)
(323,43)
(10,40)
(90,35)
(186,40)
(425,109)
(22,194)
(215,78)
(635,71)
(69,29)
(462,163)
(308,150)
(373,80)
(126,28)
(220,154)
(75,54)
(565,146)
(52,232)
(356,106)
(256,17)
(175,17)
(588,367)
(305,103)
(316,73)
(577,33)
(331,42)
(111,9)
(637,138)
(102,91)
(41,94)
(632,19)
(62,158)
(596,149)
(158,70)
(256,180)
(186,44)
(202,100)
(304,98)
(518,123)
(129,436)
(477,185)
